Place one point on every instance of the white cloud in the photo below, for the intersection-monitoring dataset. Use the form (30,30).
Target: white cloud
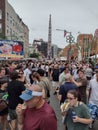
(72,15)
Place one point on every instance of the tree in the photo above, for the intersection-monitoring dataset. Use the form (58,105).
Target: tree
(2,36)
(34,55)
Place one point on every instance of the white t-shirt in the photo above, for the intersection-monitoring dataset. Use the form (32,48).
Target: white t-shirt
(27,73)
(94,91)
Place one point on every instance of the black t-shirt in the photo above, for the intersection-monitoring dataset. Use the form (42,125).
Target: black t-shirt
(55,75)
(15,89)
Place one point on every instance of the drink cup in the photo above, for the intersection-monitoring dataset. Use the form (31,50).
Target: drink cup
(73,114)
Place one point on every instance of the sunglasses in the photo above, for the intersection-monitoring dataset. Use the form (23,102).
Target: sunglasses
(70,98)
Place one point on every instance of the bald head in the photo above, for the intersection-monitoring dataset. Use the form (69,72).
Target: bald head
(68,77)
(35,87)
(56,66)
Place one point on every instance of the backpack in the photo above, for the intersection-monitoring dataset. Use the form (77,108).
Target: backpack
(3,101)
(47,89)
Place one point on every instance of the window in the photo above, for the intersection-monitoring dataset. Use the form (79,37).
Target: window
(7,16)
(13,22)
(10,31)
(10,20)
(86,40)
(0,14)
(7,30)
(0,27)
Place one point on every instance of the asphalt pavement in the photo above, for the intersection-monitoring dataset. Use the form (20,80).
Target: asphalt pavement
(56,106)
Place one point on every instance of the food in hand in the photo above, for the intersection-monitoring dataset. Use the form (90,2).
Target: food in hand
(65,106)
(24,106)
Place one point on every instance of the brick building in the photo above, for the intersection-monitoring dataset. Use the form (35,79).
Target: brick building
(87,43)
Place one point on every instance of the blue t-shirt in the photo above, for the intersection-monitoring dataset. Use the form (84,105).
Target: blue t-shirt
(64,89)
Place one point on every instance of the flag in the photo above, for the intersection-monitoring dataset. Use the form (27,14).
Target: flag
(65,32)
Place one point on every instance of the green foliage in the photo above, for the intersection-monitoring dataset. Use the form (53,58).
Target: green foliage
(2,36)
(34,55)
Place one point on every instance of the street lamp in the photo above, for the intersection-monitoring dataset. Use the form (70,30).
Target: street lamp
(70,40)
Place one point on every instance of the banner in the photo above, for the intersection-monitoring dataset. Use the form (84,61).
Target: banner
(10,49)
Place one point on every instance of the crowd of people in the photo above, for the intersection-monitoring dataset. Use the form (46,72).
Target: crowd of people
(27,85)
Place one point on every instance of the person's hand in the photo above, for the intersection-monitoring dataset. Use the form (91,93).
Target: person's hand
(64,113)
(76,119)
(27,85)
(20,109)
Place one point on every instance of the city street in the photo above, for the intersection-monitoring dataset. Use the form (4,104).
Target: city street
(57,40)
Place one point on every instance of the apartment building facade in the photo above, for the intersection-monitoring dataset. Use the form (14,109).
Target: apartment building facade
(12,27)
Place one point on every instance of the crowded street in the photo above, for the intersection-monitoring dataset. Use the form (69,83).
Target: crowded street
(48,65)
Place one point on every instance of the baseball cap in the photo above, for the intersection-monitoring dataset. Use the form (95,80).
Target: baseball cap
(29,94)
(96,67)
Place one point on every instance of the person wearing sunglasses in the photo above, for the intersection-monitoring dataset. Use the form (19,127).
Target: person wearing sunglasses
(21,76)
(77,117)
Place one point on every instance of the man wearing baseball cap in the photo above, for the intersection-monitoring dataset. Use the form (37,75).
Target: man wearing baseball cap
(36,114)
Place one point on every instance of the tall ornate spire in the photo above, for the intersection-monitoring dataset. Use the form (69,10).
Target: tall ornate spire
(49,55)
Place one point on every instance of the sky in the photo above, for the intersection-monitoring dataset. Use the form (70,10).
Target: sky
(71,15)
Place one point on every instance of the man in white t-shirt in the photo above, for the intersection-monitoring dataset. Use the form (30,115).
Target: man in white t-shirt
(62,75)
(93,96)
(27,73)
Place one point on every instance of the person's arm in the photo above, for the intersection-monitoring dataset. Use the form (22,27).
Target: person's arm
(82,120)
(59,97)
(60,79)
(20,117)
(51,78)
(19,126)
(88,91)
(60,93)
(20,122)
(86,117)
(78,84)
